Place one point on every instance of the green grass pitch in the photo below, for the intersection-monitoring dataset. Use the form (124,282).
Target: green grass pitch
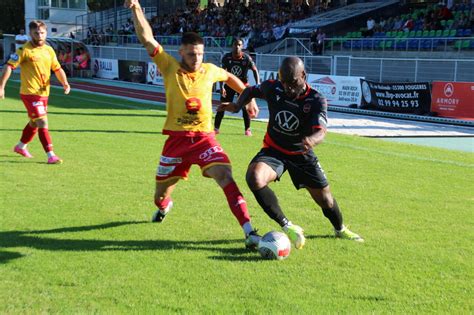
(76,237)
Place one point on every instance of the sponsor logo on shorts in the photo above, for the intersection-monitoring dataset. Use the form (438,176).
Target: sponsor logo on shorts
(164,170)
(170,160)
(39,103)
(209,154)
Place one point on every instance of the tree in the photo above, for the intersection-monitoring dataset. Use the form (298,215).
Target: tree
(13,16)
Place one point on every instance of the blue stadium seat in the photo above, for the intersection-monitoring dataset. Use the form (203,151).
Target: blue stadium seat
(401,44)
(413,44)
(356,44)
(367,44)
(467,32)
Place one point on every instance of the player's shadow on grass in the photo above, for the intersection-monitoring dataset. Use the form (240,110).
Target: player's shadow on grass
(37,239)
(94,131)
(90,114)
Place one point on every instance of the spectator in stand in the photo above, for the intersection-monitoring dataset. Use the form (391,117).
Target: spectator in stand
(461,22)
(408,25)
(380,27)
(444,13)
(81,60)
(398,23)
(65,59)
(20,39)
(389,25)
(370,27)
(320,37)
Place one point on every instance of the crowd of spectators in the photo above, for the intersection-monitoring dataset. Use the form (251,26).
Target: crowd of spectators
(440,17)
(257,23)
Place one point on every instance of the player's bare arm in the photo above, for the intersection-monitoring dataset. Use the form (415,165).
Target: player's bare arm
(314,139)
(61,75)
(256,75)
(7,71)
(237,85)
(142,28)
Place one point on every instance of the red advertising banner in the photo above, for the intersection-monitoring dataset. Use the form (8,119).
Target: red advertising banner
(453,99)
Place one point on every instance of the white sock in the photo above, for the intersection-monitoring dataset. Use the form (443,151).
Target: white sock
(21,145)
(343,228)
(50,154)
(247,228)
(287,225)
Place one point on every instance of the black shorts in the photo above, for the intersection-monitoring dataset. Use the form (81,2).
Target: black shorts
(305,170)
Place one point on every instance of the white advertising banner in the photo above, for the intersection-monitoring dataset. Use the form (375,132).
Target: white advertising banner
(338,90)
(153,75)
(105,68)
(264,75)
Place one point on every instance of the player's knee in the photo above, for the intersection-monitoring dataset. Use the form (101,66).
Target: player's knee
(255,181)
(327,203)
(41,123)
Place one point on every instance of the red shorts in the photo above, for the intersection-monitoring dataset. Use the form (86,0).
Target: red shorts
(37,106)
(179,153)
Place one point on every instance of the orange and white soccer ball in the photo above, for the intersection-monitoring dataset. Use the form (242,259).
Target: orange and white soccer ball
(274,245)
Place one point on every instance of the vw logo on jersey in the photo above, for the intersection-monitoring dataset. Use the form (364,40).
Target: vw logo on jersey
(236,70)
(287,120)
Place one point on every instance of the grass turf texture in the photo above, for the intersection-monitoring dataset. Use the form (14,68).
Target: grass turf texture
(75,238)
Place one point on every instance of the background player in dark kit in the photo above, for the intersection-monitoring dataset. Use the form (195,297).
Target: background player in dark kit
(238,63)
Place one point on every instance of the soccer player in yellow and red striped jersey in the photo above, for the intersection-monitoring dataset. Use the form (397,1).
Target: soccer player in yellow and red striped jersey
(191,139)
(37,60)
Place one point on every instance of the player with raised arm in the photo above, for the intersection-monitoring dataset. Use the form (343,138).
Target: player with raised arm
(297,123)
(238,63)
(191,139)
(37,60)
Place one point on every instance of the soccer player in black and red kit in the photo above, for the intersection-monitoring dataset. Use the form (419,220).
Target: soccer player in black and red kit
(297,122)
(238,63)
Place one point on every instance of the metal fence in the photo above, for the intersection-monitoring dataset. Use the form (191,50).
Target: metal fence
(377,69)
(405,70)
(303,46)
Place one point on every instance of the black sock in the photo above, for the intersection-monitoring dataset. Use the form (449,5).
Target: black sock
(268,201)
(218,119)
(334,215)
(246,118)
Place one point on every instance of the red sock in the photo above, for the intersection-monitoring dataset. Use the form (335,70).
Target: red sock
(237,203)
(162,204)
(45,139)
(28,134)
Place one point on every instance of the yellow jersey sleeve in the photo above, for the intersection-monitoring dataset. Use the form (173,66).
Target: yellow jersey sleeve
(55,65)
(16,58)
(162,60)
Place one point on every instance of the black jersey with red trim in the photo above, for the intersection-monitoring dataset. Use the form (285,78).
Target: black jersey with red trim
(290,120)
(238,66)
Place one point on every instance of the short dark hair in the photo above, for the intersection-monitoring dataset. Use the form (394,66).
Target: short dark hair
(36,24)
(237,39)
(191,38)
